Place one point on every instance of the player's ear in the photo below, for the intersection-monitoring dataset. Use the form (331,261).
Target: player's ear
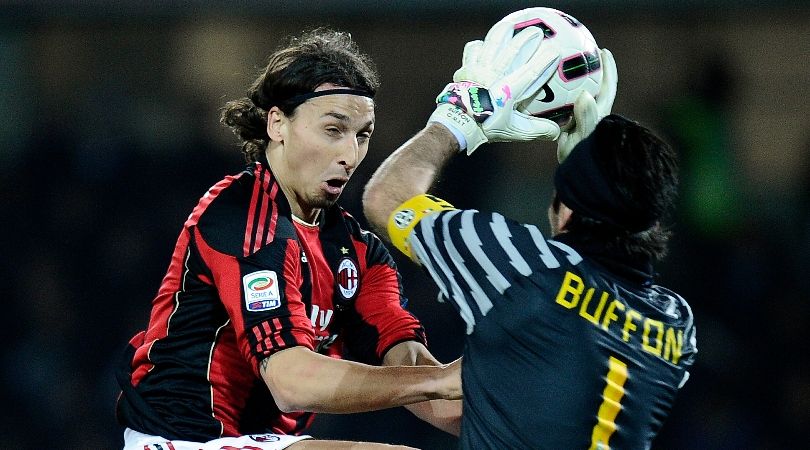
(276,124)
(563,216)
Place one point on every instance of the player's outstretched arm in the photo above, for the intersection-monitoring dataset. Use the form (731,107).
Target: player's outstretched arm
(479,107)
(302,380)
(409,171)
(442,414)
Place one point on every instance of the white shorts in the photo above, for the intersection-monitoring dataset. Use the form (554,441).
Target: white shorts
(134,440)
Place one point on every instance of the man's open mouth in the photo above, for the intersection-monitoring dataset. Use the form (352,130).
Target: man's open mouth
(335,185)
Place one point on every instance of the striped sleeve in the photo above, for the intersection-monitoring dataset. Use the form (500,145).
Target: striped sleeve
(475,257)
(244,235)
(382,320)
(262,299)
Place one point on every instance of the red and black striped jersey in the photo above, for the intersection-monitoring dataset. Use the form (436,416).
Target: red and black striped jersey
(246,280)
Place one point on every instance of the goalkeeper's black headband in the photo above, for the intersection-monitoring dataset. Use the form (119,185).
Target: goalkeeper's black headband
(301,98)
(585,187)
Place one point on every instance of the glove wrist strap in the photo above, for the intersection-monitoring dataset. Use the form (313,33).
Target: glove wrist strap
(463,126)
(462,107)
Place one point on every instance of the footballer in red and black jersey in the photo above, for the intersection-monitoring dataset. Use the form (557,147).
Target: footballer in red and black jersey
(248,279)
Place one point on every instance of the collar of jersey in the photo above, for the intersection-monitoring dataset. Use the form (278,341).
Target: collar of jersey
(635,268)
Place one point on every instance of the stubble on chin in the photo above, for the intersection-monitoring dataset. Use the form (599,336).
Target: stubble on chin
(322,201)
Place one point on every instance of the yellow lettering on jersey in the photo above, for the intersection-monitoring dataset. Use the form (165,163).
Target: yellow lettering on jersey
(659,337)
(568,287)
(583,310)
(610,314)
(661,340)
(673,345)
(628,324)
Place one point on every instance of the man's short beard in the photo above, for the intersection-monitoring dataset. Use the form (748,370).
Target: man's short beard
(322,202)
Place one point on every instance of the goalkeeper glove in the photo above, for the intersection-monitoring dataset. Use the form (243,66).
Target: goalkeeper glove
(587,111)
(496,75)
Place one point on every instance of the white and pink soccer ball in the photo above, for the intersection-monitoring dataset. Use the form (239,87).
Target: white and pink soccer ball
(580,66)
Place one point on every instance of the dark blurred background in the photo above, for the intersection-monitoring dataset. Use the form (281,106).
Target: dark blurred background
(110,134)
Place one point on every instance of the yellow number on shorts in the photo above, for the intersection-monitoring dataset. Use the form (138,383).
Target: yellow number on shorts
(611,404)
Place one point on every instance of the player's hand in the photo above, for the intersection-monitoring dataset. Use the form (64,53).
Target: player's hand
(452,381)
(496,75)
(587,111)
(486,61)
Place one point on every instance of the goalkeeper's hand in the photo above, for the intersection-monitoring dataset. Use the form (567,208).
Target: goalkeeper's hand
(587,111)
(496,75)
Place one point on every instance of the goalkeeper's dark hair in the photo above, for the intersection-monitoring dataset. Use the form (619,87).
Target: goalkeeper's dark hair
(644,170)
(307,61)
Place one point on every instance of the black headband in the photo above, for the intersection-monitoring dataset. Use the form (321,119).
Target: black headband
(585,188)
(301,98)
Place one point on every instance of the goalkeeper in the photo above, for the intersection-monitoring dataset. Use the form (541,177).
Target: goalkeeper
(570,343)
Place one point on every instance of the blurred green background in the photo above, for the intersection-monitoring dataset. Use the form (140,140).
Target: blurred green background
(110,134)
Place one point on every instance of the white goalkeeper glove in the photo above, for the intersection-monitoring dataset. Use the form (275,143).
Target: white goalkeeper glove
(587,111)
(496,75)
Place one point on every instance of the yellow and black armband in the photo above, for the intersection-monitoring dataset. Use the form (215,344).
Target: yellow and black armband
(407,215)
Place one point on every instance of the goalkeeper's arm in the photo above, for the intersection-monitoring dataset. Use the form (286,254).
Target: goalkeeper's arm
(409,171)
(467,114)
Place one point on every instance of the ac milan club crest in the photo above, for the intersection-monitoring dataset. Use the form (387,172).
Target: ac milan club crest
(347,278)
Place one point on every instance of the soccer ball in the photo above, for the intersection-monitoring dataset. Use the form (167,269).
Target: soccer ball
(580,66)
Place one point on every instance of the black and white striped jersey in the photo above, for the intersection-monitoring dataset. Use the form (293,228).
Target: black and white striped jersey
(563,351)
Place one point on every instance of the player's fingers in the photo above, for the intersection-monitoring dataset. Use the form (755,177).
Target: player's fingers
(586,114)
(543,63)
(534,127)
(610,81)
(471,52)
(564,146)
(469,61)
(496,40)
(519,49)
(527,79)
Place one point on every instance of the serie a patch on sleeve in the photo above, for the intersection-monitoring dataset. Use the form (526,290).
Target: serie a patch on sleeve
(403,219)
(261,291)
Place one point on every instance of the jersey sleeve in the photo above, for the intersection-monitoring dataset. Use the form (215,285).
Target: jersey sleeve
(689,350)
(379,320)
(474,257)
(261,294)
